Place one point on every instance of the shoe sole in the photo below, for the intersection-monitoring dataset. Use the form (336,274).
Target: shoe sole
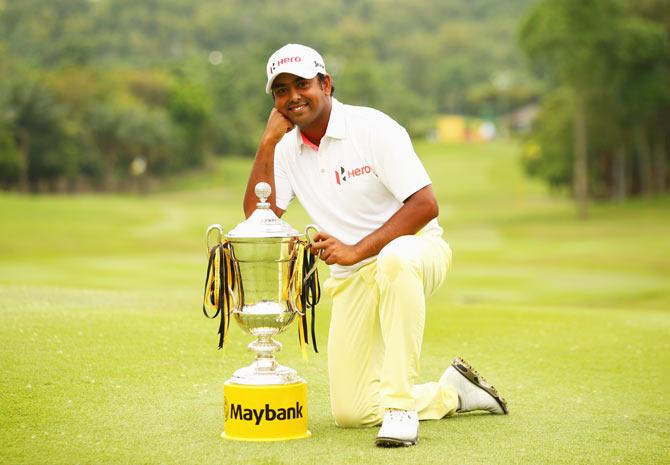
(393,442)
(478,380)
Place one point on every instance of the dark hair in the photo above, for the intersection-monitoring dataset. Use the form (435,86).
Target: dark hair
(321,79)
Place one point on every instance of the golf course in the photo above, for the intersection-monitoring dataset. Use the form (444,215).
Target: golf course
(107,358)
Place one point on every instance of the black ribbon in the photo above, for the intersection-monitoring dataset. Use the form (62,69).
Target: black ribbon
(311,293)
(223,301)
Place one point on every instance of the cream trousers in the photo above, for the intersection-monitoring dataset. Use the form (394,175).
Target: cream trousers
(376,331)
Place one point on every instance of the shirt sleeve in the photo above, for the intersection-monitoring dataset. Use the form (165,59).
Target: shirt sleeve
(283,190)
(395,161)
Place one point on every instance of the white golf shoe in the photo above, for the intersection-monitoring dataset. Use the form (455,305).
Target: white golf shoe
(400,428)
(474,392)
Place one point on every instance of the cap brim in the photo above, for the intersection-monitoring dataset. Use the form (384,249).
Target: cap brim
(287,70)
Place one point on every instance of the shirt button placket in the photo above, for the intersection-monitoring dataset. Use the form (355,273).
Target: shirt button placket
(321,158)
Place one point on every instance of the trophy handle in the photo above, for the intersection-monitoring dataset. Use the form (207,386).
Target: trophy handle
(219,240)
(238,294)
(219,237)
(310,239)
(310,230)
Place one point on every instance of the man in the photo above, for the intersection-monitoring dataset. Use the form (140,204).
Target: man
(356,174)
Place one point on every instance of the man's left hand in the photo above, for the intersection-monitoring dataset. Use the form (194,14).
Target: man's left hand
(333,251)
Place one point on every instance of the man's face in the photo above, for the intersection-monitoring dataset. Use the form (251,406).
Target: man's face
(305,102)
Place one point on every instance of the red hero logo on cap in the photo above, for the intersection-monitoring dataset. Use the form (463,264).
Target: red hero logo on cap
(283,61)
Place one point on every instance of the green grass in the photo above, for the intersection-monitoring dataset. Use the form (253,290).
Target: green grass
(106,357)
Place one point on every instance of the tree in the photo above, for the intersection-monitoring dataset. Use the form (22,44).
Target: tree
(10,160)
(124,130)
(569,40)
(615,63)
(189,107)
(34,117)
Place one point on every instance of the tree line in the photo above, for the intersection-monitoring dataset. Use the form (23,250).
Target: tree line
(93,89)
(605,115)
(96,92)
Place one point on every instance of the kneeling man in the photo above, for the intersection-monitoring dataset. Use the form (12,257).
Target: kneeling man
(355,172)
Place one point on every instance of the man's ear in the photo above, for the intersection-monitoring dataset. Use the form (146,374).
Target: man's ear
(327,84)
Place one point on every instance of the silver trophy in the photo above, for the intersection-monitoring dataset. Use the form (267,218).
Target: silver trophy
(265,252)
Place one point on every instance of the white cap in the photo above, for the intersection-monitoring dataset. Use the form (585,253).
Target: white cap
(295,59)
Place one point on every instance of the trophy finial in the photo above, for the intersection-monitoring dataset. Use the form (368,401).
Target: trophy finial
(263,191)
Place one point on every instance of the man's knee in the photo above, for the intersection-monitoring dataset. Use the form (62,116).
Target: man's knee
(350,417)
(398,257)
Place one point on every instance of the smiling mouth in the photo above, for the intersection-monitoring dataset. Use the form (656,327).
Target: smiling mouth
(298,108)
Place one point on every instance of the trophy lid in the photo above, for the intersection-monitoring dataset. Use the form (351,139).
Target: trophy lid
(263,222)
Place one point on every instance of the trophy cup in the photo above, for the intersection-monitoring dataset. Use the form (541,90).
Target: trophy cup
(263,274)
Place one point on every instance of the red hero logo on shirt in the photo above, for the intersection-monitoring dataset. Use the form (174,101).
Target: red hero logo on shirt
(342,175)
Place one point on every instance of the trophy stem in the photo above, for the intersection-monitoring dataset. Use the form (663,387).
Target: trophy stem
(265,370)
(265,348)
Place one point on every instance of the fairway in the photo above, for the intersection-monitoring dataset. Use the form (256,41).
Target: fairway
(107,358)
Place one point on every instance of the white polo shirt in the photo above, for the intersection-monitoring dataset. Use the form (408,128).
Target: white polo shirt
(358,177)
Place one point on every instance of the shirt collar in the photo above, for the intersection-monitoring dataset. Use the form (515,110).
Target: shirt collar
(336,126)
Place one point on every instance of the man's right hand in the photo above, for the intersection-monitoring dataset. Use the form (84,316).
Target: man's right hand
(277,126)
(263,167)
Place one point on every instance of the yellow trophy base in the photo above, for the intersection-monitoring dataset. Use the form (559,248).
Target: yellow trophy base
(275,412)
